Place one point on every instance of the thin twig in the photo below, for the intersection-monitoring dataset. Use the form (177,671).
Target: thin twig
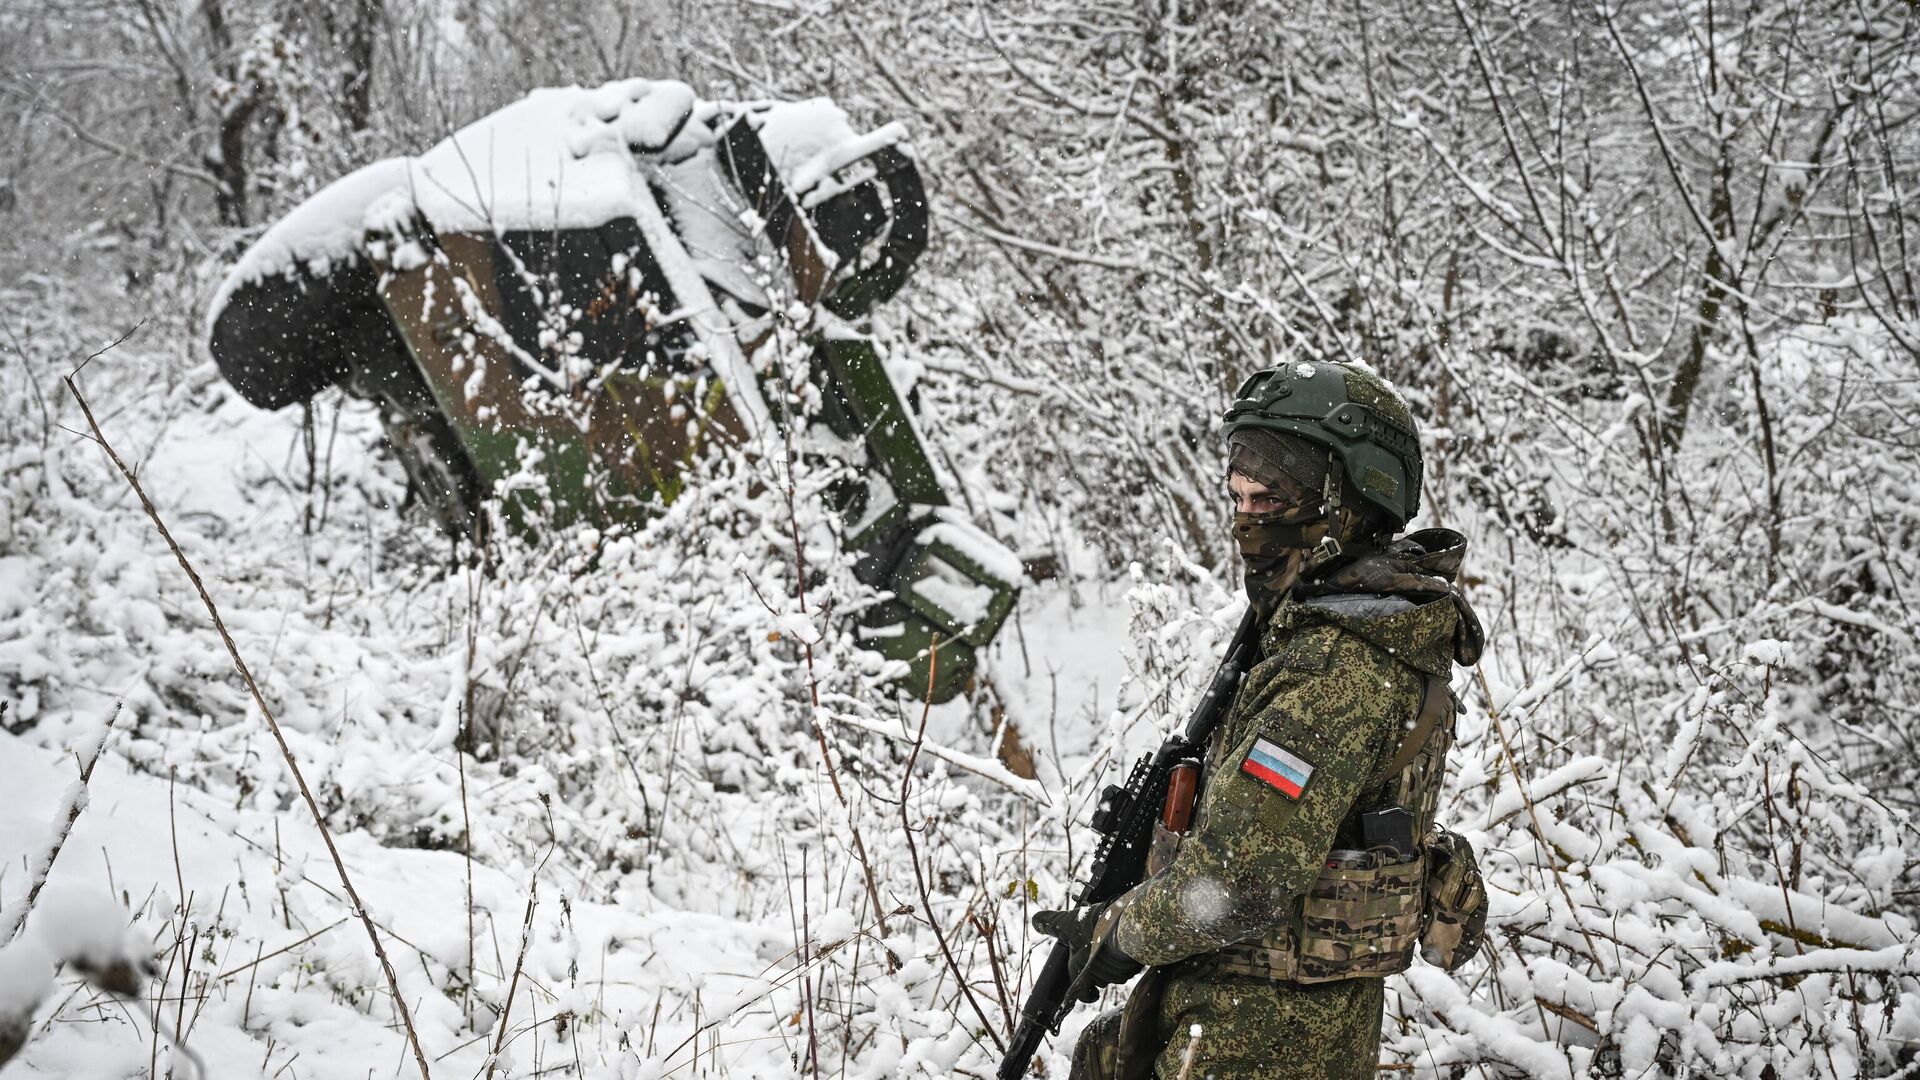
(513,984)
(273,727)
(1539,834)
(107,348)
(806,984)
(466,848)
(259,957)
(993,964)
(161,1030)
(913,851)
(779,982)
(813,688)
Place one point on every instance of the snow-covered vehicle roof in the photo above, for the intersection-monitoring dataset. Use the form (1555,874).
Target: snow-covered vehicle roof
(559,158)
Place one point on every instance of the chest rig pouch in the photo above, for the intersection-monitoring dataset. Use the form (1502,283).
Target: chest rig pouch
(1365,915)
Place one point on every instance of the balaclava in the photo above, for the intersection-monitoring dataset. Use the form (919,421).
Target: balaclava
(1276,545)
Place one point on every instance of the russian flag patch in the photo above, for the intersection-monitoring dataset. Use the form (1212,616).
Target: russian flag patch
(1276,767)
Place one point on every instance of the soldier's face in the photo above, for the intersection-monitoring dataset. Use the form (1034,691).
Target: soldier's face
(1250,496)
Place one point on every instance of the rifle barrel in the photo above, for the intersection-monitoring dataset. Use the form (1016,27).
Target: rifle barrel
(1037,1015)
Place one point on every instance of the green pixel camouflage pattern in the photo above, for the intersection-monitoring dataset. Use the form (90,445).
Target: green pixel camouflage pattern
(1343,662)
(1328,695)
(1251,1027)
(1248,1028)
(1420,567)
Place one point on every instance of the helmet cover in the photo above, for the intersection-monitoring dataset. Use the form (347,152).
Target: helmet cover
(1340,408)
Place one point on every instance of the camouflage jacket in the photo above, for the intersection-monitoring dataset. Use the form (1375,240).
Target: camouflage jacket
(1308,739)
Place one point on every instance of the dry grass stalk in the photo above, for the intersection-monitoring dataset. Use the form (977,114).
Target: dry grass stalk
(1533,817)
(826,752)
(779,982)
(913,853)
(513,984)
(273,726)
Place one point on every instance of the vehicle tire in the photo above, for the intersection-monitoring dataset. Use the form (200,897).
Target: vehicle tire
(284,338)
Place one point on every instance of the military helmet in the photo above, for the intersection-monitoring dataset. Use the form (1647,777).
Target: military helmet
(1353,413)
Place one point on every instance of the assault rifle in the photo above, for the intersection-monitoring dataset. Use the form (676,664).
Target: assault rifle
(1125,823)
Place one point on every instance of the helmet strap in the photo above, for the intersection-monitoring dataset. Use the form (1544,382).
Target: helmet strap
(1328,549)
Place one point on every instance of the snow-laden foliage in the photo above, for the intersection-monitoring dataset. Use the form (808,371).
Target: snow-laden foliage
(659,733)
(1642,276)
(641,756)
(635,804)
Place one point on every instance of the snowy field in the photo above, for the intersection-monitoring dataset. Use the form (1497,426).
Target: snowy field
(635,803)
(636,861)
(637,939)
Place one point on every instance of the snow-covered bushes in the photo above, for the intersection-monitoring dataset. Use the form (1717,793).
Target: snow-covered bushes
(1694,805)
(655,754)
(1601,254)
(1696,842)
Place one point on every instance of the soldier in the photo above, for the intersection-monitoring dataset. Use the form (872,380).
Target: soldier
(1314,867)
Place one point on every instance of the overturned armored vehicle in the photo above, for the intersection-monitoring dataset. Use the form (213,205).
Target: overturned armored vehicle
(591,283)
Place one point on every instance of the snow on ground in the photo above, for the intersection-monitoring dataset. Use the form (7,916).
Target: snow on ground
(665,852)
(282,962)
(726,878)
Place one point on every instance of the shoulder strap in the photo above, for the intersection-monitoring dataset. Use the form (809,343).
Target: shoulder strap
(1436,699)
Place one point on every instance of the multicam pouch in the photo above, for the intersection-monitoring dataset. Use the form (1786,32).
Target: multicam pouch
(1456,901)
(1361,919)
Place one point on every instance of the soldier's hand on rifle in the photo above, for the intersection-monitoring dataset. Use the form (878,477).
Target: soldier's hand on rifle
(1088,932)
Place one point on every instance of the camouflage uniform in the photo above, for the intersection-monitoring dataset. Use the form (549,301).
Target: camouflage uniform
(1343,662)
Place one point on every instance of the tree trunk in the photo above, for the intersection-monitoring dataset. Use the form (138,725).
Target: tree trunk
(1713,296)
(356,80)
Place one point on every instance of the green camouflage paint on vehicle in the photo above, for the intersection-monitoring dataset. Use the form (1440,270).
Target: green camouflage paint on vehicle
(579,368)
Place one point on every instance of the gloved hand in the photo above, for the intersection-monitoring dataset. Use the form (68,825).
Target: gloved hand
(1088,932)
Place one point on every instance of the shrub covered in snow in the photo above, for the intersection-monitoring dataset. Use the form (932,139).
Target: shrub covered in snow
(634,804)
